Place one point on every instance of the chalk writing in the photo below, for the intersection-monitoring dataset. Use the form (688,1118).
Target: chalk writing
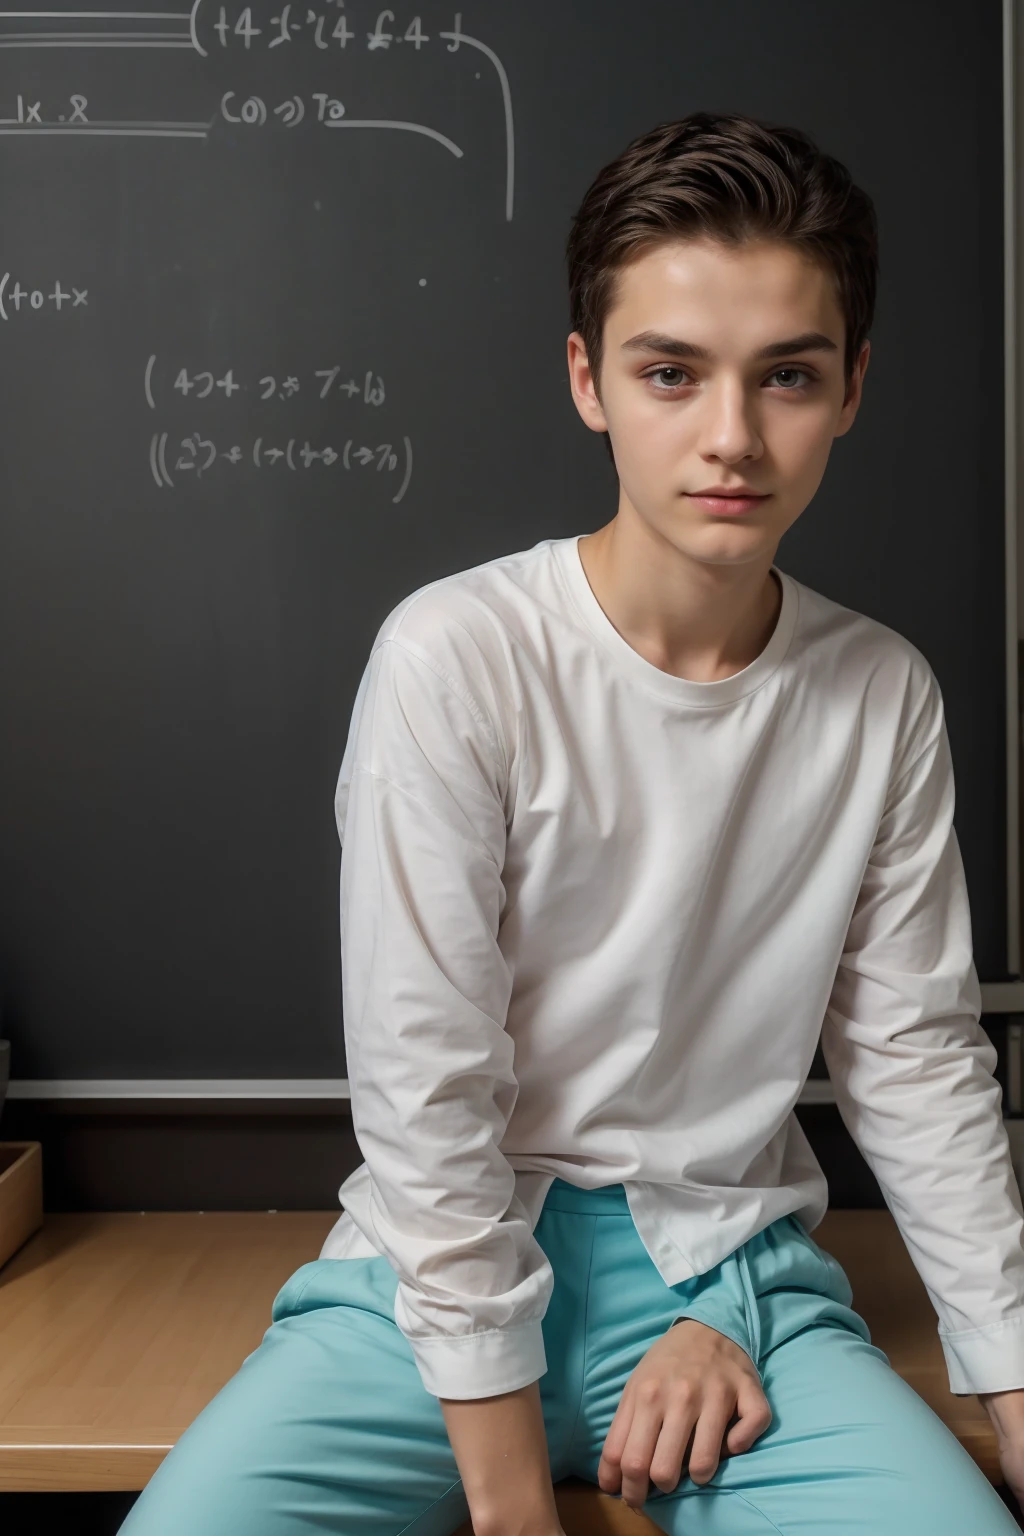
(330,112)
(203,383)
(29,111)
(204,27)
(31,117)
(197,455)
(98,29)
(284,27)
(292,21)
(14,297)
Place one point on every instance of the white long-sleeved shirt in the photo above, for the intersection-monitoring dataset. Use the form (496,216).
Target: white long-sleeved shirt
(595,918)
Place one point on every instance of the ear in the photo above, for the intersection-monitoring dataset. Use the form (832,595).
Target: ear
(854,393)
(581,382)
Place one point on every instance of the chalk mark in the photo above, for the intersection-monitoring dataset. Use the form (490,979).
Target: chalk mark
(110,122)
(408,471)
(33,130)
(93,15)
(98,42)
(64,37)
(194,29)
(384,122)
(506,96)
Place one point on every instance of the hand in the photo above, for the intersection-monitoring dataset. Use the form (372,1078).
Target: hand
(692,1380)
(1006,1410)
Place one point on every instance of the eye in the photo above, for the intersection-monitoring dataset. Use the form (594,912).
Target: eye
(681,377)
(779,372)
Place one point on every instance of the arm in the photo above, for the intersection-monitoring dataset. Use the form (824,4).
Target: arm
(501,1451)
(912,1070)
(426,990)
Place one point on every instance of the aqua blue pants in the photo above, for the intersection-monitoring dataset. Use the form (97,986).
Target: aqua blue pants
(327,1428)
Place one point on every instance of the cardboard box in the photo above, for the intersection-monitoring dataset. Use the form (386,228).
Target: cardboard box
(21,1194)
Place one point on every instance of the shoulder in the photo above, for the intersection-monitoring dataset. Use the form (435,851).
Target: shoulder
(875,668)
(462,627)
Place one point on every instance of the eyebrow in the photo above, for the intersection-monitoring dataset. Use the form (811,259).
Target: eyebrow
(656,341)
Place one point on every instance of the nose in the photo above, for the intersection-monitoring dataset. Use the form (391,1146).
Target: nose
(728,425)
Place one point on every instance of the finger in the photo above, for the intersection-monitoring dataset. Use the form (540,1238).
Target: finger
(641,1441)
(734,1420)
(753,1414)
(709,1434)
(608,1470)
(675,1445)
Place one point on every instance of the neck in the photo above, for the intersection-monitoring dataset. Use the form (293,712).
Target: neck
(694,619)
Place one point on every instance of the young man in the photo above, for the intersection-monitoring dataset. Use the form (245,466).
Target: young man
(625,818)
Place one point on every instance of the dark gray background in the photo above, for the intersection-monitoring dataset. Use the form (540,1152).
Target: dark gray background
(177,666)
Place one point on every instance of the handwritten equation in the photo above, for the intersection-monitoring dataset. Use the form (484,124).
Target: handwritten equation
(295,20)
(204,28)
(328,111)
(31,111)
(14,296)
(202,384)
(29,120)
(197,455)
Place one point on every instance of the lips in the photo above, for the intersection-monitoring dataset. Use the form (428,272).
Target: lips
(727,506)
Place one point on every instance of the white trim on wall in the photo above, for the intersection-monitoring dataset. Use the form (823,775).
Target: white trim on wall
(996,998)
(220,1090)
(217,1088)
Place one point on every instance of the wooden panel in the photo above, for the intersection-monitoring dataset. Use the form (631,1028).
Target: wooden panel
(290,1155)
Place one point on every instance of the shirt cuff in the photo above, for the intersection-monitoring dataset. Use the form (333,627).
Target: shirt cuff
(989,1359)
(481,1364)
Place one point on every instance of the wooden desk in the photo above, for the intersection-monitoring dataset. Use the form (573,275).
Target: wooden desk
(117,1329)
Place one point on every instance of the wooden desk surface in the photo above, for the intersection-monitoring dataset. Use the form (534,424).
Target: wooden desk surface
(117,1329)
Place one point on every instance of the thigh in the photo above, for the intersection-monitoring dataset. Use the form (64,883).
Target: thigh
(326,1426)
(851,1450)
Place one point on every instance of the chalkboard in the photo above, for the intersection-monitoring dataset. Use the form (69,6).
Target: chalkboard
(283,339)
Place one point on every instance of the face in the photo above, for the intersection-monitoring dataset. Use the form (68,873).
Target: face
(722,368)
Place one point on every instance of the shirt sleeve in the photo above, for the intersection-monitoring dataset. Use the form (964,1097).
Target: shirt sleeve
(421,816)
(913,1071)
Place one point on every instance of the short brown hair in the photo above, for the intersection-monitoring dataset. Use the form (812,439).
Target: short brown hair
(732,178)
